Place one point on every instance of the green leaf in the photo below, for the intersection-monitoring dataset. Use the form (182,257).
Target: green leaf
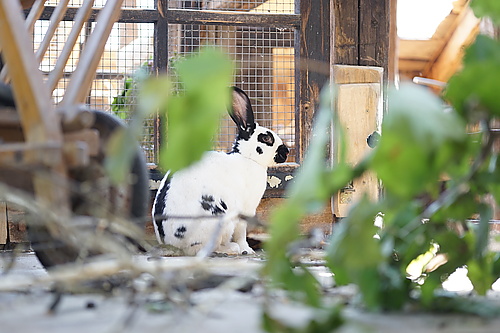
(472,91)
(193,117)
(365,251)
(418,139)
(487,8)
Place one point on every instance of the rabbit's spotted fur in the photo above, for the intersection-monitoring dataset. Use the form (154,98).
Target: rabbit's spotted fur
(220,183)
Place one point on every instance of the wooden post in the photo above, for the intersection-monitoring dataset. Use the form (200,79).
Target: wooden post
(314,65)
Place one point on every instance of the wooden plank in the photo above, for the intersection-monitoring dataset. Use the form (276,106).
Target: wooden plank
(189,16)
(346,50)
(3,223)
(359,109)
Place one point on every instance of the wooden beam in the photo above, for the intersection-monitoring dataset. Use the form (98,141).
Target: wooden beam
(188,16)
(449,59)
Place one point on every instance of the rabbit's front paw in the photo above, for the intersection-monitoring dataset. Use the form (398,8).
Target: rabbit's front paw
(245,249)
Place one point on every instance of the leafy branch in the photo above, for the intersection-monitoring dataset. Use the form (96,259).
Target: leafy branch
(436,173)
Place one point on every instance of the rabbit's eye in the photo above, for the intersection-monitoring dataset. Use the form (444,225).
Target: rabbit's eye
(266,138)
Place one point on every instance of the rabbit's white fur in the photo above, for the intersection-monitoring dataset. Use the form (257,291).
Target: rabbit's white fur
(221,185)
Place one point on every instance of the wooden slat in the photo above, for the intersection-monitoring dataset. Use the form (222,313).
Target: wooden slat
(55,18)
(79,85)
(79,21)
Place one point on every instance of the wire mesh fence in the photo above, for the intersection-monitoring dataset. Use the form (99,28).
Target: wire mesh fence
(126,60)
(264,58)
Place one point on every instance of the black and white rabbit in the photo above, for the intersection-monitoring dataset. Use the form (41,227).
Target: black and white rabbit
(220,183)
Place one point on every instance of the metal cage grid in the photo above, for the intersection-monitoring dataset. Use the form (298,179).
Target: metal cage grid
(264,59)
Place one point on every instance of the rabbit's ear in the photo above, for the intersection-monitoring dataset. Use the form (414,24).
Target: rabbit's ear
(242,114)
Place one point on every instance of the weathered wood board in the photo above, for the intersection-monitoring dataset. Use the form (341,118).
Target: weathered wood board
(3,223)
(359,109)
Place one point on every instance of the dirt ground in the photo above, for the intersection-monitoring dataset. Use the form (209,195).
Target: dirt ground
(221,309)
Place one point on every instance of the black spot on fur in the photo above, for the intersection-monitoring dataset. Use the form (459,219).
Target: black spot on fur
(236,148)
(161,197)
(207,198)
(180,232)
(259,150)
(267,138)
(195,243)
(209,205)
(281,154)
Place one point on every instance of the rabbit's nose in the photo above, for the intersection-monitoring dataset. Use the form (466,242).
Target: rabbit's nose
(281,154)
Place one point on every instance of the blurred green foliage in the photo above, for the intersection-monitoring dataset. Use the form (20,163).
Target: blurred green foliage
(193,115)
(190,109)
(423,141)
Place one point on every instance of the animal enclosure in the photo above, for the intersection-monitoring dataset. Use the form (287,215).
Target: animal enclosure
(145,42)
